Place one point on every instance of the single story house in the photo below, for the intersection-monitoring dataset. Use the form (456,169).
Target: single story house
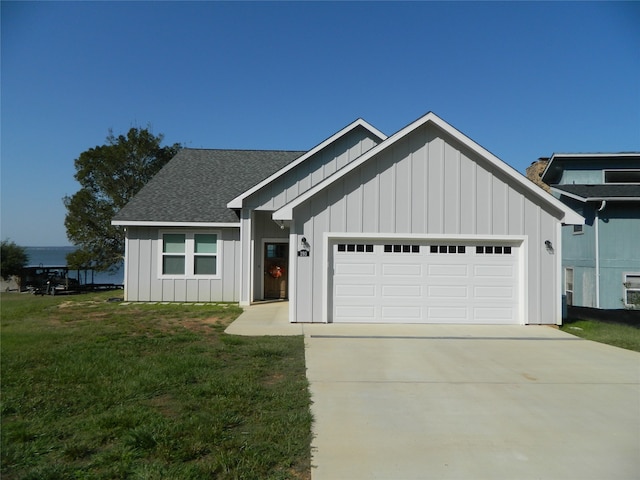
(422,226)
(600,259)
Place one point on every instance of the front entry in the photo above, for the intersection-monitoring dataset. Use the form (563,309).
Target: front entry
(276,269)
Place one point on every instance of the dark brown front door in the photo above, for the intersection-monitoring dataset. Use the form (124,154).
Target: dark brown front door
(276,270)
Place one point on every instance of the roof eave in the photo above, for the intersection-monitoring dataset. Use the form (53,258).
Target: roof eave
(153,223)
(569,216)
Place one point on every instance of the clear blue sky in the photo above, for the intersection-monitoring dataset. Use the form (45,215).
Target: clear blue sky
(522,79)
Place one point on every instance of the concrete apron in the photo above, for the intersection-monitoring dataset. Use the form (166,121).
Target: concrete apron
(470,402)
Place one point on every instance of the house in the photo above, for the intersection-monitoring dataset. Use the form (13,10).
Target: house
(600,259)
(422,226)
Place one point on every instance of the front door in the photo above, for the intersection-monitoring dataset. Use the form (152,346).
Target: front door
(276,269)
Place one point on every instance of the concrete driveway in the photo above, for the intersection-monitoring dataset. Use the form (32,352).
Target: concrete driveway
(471,402)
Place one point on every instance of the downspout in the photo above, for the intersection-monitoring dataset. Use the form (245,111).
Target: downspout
(597,233)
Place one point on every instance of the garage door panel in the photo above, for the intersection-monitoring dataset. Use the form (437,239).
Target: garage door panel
(444,270)
(409,283)
(400,270)
(440,314)
(493,313)
(493,292)
(448,291)
(355,311)
(402,291)
(355,269)
(490,271)
(408,313)
(355,290)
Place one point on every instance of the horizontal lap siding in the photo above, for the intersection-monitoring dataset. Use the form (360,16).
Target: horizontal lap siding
(143,284)
(428,184)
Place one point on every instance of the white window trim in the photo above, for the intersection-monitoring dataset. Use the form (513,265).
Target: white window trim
(625,289)
(566,284)
(190,254)
(579,231)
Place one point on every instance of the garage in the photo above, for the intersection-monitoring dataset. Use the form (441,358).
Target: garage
(435,281)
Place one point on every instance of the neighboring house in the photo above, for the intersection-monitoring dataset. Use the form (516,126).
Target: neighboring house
(601,259)
(423,226)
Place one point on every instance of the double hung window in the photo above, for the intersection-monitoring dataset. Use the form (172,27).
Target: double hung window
(189,254)
(632,290)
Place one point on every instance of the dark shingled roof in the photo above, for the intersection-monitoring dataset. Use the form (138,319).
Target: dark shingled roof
(197,184)
(602,192)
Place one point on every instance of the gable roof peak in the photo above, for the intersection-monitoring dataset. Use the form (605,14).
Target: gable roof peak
(237,202)
(569,216)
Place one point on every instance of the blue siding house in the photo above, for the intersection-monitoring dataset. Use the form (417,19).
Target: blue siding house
(600,259)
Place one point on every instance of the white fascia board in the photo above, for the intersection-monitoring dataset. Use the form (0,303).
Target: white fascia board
(569,217)
(237,202)
(144,223)
(587,156)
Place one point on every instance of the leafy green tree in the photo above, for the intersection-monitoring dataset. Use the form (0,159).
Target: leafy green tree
(109,175)
(13,259)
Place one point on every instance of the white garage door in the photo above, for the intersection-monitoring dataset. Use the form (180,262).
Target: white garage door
(425,282)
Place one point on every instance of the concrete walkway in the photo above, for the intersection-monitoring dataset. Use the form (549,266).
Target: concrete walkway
(461,402)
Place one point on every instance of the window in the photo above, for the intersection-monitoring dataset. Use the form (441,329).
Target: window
(358,248)
(622,176)
(632,290)
(173,253)
(577,229)
(187,254)
(402,248)
(447,249)
(497,250)
(568,285)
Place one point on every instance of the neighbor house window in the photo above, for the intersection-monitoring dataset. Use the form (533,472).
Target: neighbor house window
(189,254)
(632,289)
(577,229)
(622,176)
(568,285)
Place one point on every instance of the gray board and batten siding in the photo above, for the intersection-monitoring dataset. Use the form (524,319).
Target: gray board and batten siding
(190,193)
(321,163)
(428,184)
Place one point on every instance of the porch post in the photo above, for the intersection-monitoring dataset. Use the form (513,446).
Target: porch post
(246,261)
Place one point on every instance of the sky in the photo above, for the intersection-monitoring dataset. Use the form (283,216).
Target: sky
(524,80)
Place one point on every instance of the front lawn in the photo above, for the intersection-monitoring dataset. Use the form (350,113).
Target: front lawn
(611,333)
(96,389)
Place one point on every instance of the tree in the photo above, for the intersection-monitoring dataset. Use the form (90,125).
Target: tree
(109,176)
(12,259)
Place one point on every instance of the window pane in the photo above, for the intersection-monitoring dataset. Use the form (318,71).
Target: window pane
(632,281)
(205,265)
(172,265)
(206,243)
(173,243)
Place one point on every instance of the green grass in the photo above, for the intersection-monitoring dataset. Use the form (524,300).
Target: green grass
(616,334)
(92,390)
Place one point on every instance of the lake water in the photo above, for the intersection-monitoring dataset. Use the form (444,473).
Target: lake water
(57,257)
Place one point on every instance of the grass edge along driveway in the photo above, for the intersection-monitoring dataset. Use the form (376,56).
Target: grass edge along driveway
(94,389)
